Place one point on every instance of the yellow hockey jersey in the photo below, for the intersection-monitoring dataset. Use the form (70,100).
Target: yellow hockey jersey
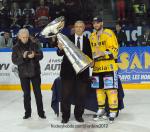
(107,43)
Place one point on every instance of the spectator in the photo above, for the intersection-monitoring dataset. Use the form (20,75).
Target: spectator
(148,15)
(6,40)
(34,39)
(52,42)
(4,15)
(98,8)
(28,16)
(57,9)
(121,36)
(1,4)
(88,8)
(121,9)
(73,11)
(42,14)
(144,39)
(15,14)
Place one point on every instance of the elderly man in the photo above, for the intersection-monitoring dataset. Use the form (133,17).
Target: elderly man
(72,84)
(26,55)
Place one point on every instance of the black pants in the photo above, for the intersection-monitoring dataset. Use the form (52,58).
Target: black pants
(36,83)
(76,89)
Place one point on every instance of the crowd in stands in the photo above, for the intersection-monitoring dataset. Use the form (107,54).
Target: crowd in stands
(135,12)
(15,14)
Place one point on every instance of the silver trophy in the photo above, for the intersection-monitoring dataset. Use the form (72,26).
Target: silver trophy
(78,59)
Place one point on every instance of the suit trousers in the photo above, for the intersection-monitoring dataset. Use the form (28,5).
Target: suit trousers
(76,89)
(36,83)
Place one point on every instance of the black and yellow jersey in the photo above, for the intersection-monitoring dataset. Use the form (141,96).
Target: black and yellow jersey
(107,43)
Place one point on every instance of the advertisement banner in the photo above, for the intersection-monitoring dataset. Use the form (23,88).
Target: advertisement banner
(134,64)
(50,67)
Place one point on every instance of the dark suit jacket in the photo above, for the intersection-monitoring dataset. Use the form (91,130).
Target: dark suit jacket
(67,71)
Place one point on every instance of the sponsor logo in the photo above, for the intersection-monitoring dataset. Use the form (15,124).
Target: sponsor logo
(95,82)
(4,66)
(108,82)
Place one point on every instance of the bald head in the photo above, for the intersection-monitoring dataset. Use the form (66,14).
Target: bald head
(23,35)
(79,27)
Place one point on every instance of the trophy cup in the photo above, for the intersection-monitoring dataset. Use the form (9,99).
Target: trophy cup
(77,58)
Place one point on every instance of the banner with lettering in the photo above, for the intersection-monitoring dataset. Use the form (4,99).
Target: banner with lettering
(50,67)
(134,64)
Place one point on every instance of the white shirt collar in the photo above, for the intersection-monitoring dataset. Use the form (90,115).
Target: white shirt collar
(76,36)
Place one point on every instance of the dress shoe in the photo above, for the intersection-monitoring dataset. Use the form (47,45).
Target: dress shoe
(26,116)
(79,119)
(42,116)
(64,121)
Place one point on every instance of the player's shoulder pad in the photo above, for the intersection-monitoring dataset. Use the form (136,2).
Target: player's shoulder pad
(92,34)
(108,32)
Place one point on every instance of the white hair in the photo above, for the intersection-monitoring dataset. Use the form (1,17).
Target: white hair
(79,21)
(22,31)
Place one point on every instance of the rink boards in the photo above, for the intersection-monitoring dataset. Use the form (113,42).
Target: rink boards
(134,68)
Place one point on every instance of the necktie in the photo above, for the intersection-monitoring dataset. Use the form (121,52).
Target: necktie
(78,42)
(6,41)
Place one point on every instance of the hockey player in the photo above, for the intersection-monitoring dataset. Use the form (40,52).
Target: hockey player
(105,51)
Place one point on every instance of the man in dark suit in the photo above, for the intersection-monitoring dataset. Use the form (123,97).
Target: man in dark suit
(74,85)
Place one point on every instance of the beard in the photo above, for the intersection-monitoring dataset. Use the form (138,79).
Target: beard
(98,29)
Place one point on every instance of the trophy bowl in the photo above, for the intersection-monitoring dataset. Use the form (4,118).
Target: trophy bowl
(77,58)
(54,27)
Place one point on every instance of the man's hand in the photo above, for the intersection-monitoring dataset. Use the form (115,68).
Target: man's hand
(32,55)
(60,45)
(25,54)
(92,64)
(99,53)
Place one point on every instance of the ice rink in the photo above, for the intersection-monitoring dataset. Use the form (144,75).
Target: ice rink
(134,118)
